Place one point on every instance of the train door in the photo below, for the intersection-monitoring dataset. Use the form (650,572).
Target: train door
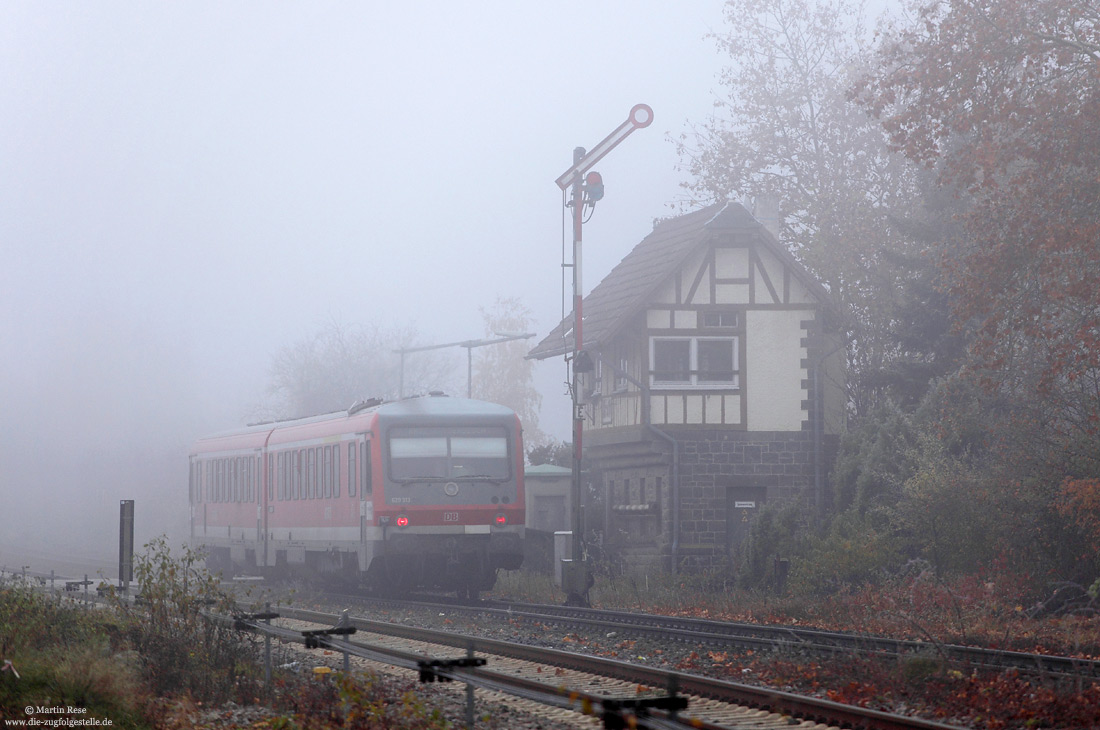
(366,490)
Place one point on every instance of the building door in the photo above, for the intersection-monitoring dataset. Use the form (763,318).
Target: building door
(743,504)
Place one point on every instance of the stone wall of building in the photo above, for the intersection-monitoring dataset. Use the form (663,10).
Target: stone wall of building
(718,470)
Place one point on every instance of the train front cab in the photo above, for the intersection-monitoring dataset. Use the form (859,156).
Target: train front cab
(448,505)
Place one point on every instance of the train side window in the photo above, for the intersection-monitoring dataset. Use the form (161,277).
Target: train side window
(280,476)
(352,473)
(368,483)
(311,473)
(327,471)
(296,457)
(315,473)
(209,479)
(269,485)
(288,487)
(284,475)
(336,470)
(304,454)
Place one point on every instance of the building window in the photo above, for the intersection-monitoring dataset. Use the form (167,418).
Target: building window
(620,375)
(671,360)
(693,362)
(719,319)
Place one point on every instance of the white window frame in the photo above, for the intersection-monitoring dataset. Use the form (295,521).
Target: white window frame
(693,382)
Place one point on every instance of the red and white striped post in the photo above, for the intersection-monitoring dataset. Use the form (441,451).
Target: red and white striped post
(575,581)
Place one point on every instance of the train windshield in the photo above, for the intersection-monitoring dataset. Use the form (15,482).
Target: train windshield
(417,454)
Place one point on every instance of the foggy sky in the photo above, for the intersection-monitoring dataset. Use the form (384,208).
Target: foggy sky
(187,188)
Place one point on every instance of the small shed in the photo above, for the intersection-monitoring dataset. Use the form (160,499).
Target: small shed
(549,497)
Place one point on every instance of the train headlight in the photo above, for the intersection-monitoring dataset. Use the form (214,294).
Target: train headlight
(402,520)
(501,520)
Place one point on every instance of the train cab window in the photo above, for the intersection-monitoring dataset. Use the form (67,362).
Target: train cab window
(429,456)
(352,473)
(479,456)
(418,458)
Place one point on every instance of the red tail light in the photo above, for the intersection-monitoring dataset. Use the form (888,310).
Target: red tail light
(402,521)
(501,520)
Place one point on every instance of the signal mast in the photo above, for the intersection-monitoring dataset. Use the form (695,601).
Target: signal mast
(587,189)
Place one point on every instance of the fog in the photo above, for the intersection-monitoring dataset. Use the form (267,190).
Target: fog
(187,188)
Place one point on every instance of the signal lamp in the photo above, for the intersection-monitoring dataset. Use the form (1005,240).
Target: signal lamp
(402,520)
(501,520)
(593,186)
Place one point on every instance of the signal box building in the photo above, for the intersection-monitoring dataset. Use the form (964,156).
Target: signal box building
(716,386)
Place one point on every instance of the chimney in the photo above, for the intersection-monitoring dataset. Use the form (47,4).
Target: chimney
(765,209)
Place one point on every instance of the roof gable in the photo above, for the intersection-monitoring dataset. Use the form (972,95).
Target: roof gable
(635,279)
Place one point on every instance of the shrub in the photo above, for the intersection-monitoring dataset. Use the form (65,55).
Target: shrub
(65,657)
(181,649)
(856,549)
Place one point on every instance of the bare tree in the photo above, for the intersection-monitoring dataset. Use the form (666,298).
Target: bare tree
(501,372)
(340,364)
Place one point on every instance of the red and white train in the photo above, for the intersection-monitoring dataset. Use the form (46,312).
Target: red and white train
(421,492)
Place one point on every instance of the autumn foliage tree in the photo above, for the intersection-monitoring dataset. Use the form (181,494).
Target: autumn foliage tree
(1003,98)
(786,132)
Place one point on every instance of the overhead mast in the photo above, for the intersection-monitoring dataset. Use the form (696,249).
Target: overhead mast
(586,190)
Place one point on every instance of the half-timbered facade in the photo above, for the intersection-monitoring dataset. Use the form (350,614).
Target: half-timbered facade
(716,386)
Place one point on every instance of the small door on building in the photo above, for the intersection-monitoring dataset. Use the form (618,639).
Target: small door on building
(549,513)
(742,506)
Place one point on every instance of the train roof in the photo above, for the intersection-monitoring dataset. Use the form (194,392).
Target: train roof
(436,405)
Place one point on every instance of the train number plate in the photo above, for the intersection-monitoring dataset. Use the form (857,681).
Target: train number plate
(450,517)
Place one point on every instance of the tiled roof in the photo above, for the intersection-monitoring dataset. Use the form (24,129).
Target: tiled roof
(635,279)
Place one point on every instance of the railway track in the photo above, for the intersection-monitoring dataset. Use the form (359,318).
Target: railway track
(585,683)
(757,637)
